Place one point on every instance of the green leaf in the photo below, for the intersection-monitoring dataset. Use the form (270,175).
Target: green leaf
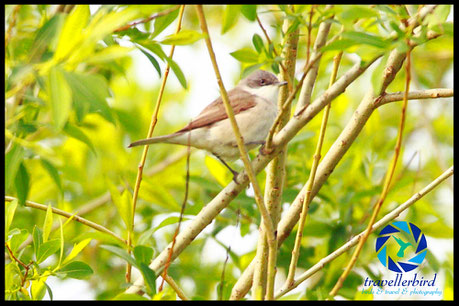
(177,71)
(143,254)
(38,289)
(376,75)
(169,221)
(17,239)
(258,43)
(108,54)
(76,133)
(71,33)
(145,236)
(77,248)
(184,37)
(52,171)
(149,277)
(367,39)
(122,203)
(22,184)
(46,36)
(129,297)
(439,16)
(50,292)
(77,269)
(10,209)
(249,11)
(121,253)
(245,55)
(230,17)
(47,249)
(48,223)
(37,240)
(90,93)
(356,12)
(13,159)
(101,237)
(153,47)
(60,97)
(152,60)
(162,22)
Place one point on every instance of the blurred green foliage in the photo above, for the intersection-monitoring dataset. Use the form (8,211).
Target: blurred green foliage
(72,106)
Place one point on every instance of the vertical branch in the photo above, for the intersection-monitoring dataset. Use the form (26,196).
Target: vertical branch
(310,182)
(182,211)
(306,91)
(387,180)
(266,220)
(275,174)
(145,149)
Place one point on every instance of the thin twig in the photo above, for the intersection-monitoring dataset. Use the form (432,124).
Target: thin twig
(63,213)
(415,95)
(266,219)
(175,287)
(383,221)
(289,79)
(225,196)
(154,16)
(154,120)
(240,142)
(26,267)
(387,181)
(286,106)
(310,182)
(182,211)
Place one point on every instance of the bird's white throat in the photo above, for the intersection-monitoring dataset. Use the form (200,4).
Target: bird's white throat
(268,92)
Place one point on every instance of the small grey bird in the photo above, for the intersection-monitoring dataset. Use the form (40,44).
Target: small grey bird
(254,102)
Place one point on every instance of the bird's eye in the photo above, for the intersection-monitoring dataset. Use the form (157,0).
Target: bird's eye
(262,82)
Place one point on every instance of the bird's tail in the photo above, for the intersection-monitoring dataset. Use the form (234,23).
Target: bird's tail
(158,139)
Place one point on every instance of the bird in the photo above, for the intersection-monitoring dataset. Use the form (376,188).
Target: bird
(254,103)
(403,246)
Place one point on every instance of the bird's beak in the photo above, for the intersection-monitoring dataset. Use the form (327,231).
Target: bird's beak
(282,83)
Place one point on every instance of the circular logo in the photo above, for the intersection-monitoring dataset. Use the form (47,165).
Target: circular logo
(401,246)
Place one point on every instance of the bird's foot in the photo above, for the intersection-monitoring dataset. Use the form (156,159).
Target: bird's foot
(235,175)
(265,151)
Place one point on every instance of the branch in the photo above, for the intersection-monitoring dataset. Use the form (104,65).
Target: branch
(383,221)
(321,38)
(416,95)
(310,182)
(387,180)
(165,12)
(220,201)
(153,122)
(263,280)
(63,213)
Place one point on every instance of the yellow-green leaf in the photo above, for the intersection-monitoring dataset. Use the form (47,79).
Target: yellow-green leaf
(108,54)
(184,37)
(217,170)
(10,209)
(122,203)
(77,248)
(37,288)
(71,33)
(48,224)
(60,96)
(230,17)
(245,55)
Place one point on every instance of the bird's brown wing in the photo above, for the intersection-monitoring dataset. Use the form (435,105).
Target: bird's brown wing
(240,100)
